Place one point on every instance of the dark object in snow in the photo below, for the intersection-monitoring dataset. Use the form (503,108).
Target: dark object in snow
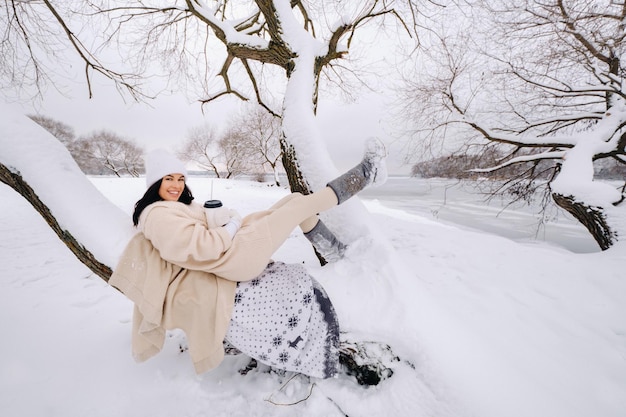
(250,366)
(368,362)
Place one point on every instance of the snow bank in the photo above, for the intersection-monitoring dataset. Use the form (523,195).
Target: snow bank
(483,326)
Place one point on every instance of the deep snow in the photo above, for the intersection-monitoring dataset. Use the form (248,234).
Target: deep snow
(492,326)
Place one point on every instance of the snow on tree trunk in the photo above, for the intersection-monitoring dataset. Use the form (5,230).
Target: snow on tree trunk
(297,182)
(305,149)
(593,218)
(302,141)
(39,167)
(595,204)
(305,158)
(15,181)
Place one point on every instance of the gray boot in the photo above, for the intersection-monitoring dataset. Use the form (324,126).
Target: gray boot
(325,242)
(371,170)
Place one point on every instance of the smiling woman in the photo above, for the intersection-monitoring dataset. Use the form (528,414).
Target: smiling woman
(218,283)
(172,187)
(165,179)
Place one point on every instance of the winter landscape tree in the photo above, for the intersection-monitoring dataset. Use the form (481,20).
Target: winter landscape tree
(249,142)
(278,45)
(201,147)
(548,86)
(98,153)
(236,152)
(279,37)
(261,132)
(105,152)
(282,47)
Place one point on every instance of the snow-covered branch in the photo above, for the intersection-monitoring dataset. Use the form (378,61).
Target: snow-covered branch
(524,158)
(606,132)
(226,30)
(39,167)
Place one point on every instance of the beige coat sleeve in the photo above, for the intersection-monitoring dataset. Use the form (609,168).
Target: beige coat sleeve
(182,238)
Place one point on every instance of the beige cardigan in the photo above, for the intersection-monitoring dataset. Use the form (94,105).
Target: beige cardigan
(166,272)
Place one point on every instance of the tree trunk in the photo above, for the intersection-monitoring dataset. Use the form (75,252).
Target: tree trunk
(15,181)
(297,182)
(593,218)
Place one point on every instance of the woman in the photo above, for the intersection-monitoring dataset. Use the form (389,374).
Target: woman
(219,284)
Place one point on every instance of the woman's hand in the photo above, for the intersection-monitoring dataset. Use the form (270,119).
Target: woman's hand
(233,225)
(221,216)
(233,214)
(218,217)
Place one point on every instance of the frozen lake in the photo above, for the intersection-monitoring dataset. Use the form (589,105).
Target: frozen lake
(455,202)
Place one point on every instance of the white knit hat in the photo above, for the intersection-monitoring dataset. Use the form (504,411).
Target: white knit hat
(160,163)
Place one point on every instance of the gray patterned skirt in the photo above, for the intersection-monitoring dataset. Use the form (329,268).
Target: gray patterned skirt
(284,319)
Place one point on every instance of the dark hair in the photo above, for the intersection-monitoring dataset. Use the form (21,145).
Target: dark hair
(152,196)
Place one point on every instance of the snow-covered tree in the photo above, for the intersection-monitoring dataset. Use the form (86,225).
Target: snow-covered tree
(105,152)
(40,168)
(261,132)
(201,147)
(236,152)
(281,47)
(545,82)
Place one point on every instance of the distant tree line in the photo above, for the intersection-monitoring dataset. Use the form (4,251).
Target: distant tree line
(468,166)
(249,145)
(522,181)
(99,153)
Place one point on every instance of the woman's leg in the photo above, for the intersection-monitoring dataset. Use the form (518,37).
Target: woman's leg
(296,211)
(323,240)
(302,210)
(255,243)
(371,170)
(309,223)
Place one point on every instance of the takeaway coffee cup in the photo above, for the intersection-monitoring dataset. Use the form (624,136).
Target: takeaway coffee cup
(214,211)
(209,204)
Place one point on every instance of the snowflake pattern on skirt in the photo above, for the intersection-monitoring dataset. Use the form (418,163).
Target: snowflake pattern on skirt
(284,319)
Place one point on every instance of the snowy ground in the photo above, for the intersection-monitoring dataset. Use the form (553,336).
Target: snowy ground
(493,326)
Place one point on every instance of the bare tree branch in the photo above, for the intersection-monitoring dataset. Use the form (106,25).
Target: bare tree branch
(125,81)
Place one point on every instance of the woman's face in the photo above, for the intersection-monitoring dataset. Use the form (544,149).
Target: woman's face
(172,187)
